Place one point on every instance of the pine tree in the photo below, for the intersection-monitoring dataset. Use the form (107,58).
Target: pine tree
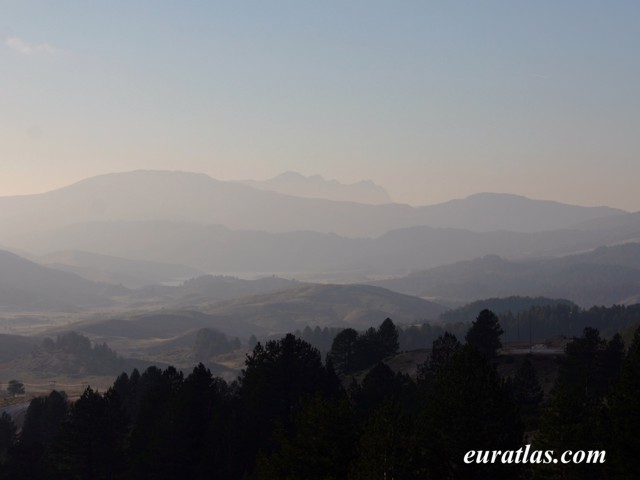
(527,393)
(15,387)
(484,334)
(388,338)
(625,415)
(343,351)
(369,350)
(276,379)
(8,432)
(92,442)
(387,447)
(469,408)
(576,417)
(319,446)
(442,351)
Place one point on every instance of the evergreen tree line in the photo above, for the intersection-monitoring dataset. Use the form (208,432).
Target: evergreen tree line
(320,338)
(542,322)
(75,352)
(538,323)
(544,319)
(288,416)
(514,304)
(210,342)
(352,351)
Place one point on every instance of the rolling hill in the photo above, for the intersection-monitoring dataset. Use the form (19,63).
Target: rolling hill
(116,270)
(217,249)
(357,306)
(605,276)
(25,285)
(208,290)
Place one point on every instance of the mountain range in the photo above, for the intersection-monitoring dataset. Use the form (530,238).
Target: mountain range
(156,227)
(198,223)
(315,186)
(197,198)
(218,249)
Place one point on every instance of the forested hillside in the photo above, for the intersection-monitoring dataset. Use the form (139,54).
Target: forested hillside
(289,414)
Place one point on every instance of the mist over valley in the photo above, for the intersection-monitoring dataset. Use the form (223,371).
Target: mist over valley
(116,249)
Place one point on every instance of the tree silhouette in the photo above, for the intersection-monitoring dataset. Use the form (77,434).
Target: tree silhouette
(388,338)
(150,439)
(92,441)
(469,408)
(343,351)
(15,387)
(368,349)
(319,446)
(40,431)
(210,343)
(276,379)
(351,351)
(387,446)
(279,374)
(527,393)
(8,432)
(576,415)
(625,415)
(44,419)
(442,351)
(484,334)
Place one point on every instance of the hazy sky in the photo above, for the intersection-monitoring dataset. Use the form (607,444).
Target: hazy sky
(432,100)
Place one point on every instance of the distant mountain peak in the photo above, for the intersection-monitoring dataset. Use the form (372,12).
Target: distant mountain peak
(197,199)
(142,174)
(494,195)
(291,175)
(513,197)
(316,186)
